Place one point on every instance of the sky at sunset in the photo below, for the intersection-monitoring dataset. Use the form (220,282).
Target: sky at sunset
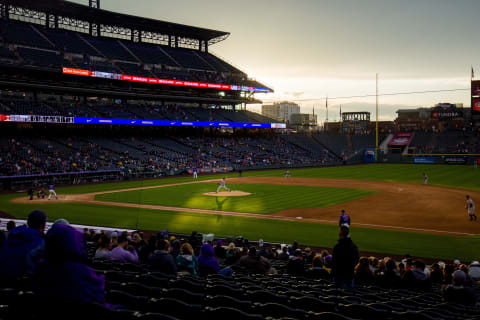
(308,49)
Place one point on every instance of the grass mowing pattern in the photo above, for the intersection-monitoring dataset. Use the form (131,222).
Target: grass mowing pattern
(374,240)
(453,176)
(264,198)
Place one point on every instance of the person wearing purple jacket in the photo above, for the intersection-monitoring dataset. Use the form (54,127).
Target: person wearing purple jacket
(344,219)
(207,263)
(64,274)
(123,252)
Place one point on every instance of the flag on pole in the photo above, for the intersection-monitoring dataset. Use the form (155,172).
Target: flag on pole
(340,112)
(473,74)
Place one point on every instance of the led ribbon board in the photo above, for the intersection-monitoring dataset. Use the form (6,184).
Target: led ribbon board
(135,122)
(124,77)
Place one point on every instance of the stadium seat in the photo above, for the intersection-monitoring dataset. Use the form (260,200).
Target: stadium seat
(277,310)
(311,304)
(327,316)
(188,285)
(183,295)
(127,300)
(175,308)
(266,297)
(223,313)
(227,301)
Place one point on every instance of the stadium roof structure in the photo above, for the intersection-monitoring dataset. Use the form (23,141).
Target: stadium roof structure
(97,16)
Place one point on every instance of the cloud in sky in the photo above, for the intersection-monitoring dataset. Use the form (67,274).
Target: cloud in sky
(322,47)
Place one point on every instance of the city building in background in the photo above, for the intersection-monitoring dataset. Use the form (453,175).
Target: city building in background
(281,111)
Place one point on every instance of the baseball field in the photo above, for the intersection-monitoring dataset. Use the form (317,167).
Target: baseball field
(392,211)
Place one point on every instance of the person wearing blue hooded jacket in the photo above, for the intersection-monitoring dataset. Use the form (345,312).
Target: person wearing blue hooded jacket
(24,247)
(64,274)
(208,264)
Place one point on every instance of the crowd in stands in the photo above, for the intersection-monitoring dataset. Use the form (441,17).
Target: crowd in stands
(70,266)
(43,155)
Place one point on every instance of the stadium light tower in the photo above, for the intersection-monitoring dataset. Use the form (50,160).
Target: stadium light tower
(94,4)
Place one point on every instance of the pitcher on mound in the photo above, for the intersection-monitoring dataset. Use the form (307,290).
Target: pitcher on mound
(222,185)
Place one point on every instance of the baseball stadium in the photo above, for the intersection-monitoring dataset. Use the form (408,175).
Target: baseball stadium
(130,134)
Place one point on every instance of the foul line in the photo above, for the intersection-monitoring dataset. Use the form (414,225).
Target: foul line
(264,216)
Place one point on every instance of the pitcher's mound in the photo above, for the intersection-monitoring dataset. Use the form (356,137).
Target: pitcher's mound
(233,193)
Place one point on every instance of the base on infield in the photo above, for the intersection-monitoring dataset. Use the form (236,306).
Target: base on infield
(233,193)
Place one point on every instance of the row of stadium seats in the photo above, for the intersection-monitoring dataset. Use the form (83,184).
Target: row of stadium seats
(46,47)
(142,290)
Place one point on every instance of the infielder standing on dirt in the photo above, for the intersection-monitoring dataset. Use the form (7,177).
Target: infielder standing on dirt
(470,206)
(425,179)
(222,185)
(195,173)
(51,190)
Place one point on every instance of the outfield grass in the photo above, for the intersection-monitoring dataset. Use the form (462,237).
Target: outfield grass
(264,198)
(374,240)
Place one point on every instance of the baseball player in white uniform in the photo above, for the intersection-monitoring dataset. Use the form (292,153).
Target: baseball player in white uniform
(195,173)
(470,206)
(425,179)
(223,186)
(51,190)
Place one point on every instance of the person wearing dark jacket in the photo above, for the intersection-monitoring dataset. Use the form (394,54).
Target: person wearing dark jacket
(391,277)
(416,277)
(344,259)
(458,292)
(162,261)
(24,247)
(295,265)
(255,263)
(220,251)
(64,273)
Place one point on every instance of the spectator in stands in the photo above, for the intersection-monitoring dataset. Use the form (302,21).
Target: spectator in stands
(161,260)
(254,263)
(474,271)
(317,271)
(344,259)
(207,263)
(265,251)
(10,226)
(284,254)
(23,247)
(436,275)
(64,274)
(363,272)
(416,277)
(232,255)
(145,251)
(458,292)
(176,247)
(220,251)
(309,255)
(103,251)
(448,271)
(295,265)
(391,277)
(186,261)
(124,252)
(195,242)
